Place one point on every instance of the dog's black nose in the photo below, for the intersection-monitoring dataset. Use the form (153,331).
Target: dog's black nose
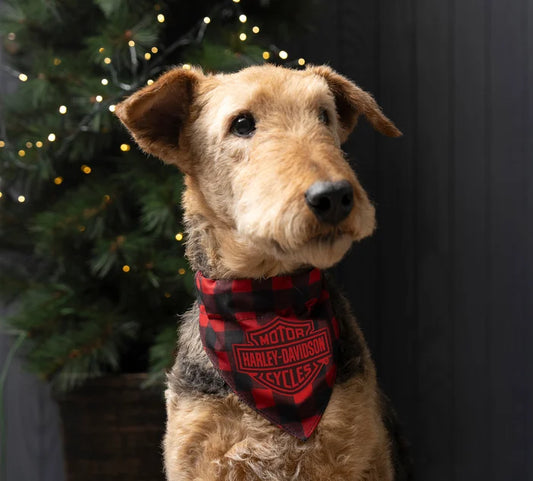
(331,202)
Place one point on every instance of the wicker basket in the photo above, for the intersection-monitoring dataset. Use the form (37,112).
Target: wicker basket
(112,430)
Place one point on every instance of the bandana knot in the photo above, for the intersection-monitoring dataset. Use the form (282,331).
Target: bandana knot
(274,341)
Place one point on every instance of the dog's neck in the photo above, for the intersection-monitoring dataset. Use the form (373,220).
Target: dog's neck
(216,251)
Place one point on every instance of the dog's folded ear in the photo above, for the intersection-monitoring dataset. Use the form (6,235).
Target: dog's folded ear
(351,101)
(156,114)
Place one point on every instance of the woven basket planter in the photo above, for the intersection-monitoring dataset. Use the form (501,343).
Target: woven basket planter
(112,430)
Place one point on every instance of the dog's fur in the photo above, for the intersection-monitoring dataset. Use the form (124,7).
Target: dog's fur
(246,216)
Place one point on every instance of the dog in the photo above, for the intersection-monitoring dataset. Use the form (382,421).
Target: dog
(273,380)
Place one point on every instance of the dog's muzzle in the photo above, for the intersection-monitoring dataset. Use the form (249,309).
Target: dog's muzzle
(331,202)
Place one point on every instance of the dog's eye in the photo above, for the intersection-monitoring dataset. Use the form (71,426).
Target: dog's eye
(243,125)
(323,116)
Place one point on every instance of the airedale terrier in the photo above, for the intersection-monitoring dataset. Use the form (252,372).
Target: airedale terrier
(273,380)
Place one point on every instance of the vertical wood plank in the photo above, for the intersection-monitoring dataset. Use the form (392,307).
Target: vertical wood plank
(507,234)
(434,150)
(470,245)
(396,208)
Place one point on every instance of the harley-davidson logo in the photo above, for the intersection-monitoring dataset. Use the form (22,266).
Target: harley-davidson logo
(285,356)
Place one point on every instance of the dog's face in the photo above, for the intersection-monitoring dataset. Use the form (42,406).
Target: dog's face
(261,153)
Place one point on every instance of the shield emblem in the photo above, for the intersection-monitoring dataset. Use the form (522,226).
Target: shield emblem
(286,355)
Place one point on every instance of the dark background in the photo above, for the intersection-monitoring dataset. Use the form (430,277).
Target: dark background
(444,288)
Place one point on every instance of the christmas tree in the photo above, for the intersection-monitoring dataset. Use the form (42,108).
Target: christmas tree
(96,222)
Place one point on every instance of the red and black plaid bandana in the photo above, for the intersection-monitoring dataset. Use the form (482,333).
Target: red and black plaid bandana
(274,341)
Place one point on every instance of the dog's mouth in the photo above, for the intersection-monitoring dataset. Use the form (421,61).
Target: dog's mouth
(323,240)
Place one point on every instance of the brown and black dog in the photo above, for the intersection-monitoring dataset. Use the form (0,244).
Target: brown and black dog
(268,193)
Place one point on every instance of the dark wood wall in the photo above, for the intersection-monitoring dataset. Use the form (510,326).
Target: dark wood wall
(444,289)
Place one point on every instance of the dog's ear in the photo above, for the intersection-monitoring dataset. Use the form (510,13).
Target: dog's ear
(351,101)
(156,114)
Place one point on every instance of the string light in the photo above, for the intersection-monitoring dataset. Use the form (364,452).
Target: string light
(207,20)
(179,236)
(58,180)
(107,60)
(236,1)
(1,195)
(99,98)
(107,198)
(23,77)
(11,36)
(57,61)
(29,145)
(160,18)
(154,49)
(266,55)
(81,228)
(301,61)
(125,147)
(126,268)
(255,29)
(131,43)
(104,81)
(21,199)
(86,169)
(63,109)
(147,56)
(38,144)
(21,153)
(149,81)
(181,271)
(283,55)
(112,108)
(101,49)
(242,36)
(2,144)
(187,66)
(51,137)
(243,18)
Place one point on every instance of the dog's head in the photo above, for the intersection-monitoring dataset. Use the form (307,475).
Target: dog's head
(261,153)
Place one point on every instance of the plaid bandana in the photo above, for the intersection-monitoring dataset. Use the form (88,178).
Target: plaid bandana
(274,342)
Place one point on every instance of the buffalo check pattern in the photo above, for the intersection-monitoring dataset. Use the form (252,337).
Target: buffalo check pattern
(274,341)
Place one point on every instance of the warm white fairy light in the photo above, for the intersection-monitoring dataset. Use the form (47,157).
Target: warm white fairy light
(101,49)
(126,268)
(179,236)
(131,43)
(236,1)
(23,77)
(243,18)
(125,147)
(51,137)
(11,36)
(301,61)
(2,144)
(57,61)
(207,20)
(104,81)
(187,66)
(58,180)
(86,169)
(38,144)
(154,49)
(149,81)
(107,60)
(255,29)
(99,98)
(29,145)
(62,109)
(1,195)
(112,108)
(147,56)
(266,55)
(242,37)
(21,199)
(181,271)
(21,153)
(160,18)
(283,55)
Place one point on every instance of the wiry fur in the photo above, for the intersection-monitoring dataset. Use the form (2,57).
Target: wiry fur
(246,217)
